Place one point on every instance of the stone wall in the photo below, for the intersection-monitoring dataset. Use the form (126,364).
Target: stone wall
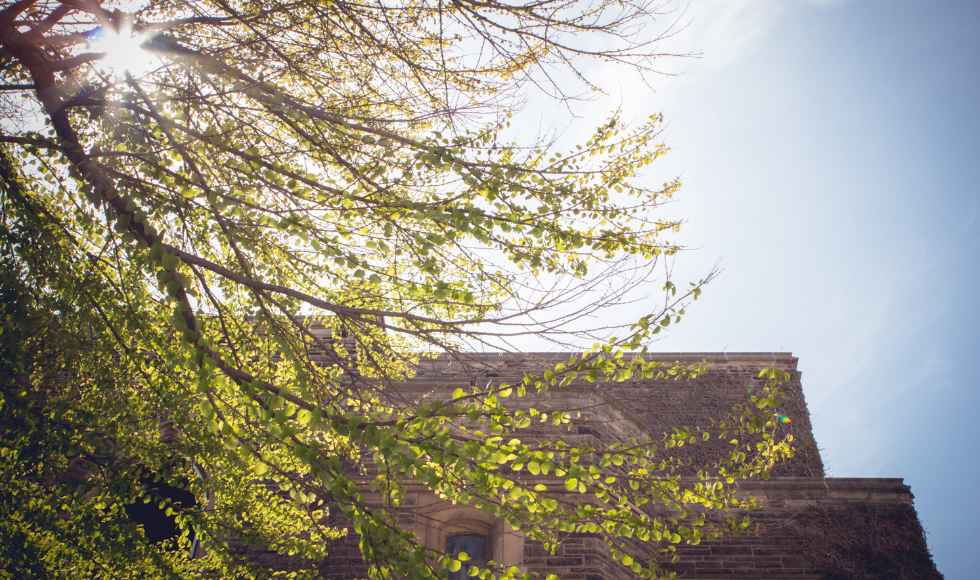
(775,548)
(651,407)
(786,540)
(782,543)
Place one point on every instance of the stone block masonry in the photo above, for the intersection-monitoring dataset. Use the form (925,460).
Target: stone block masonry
(808,526)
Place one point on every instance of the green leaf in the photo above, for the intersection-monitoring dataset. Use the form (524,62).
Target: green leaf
(339,230)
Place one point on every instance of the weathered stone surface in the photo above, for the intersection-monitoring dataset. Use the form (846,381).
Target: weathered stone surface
(781,547)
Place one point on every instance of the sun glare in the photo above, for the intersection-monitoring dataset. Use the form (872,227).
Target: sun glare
(123,51)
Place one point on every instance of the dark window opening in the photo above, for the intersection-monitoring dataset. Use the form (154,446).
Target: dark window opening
(475,547)
(157,525)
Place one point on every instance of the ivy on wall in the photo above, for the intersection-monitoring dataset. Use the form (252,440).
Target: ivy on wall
(867,541)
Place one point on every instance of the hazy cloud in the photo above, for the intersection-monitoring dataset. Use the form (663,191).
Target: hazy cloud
(723,31)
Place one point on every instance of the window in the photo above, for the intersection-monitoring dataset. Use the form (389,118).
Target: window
(157,525)
(450,528)
(475,548)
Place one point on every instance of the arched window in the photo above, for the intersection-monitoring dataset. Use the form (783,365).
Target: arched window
(475,548)
(451,528)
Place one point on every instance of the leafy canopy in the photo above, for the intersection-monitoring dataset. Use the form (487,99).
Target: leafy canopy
(173,227)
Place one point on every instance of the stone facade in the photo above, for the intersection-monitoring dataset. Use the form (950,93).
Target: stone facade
(809,526)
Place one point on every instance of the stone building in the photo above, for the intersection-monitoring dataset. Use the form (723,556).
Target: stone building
(809,526)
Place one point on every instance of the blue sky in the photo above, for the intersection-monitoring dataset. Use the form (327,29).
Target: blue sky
(830,153)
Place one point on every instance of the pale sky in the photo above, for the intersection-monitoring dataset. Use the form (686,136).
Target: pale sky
(830,153)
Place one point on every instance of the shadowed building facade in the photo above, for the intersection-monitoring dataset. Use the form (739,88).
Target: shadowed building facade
(808,527)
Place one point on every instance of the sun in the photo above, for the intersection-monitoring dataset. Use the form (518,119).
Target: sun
(123,50)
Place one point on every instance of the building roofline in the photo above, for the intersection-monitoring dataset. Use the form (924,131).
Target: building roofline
(784,360)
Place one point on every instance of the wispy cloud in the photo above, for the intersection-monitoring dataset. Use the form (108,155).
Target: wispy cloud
(723,31)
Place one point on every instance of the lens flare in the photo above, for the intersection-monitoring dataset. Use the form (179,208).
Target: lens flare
(123,50)
(785,419)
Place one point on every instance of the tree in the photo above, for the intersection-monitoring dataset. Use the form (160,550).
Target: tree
(173,229)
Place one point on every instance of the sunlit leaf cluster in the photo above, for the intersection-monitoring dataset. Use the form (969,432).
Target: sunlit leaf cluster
(252,237)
